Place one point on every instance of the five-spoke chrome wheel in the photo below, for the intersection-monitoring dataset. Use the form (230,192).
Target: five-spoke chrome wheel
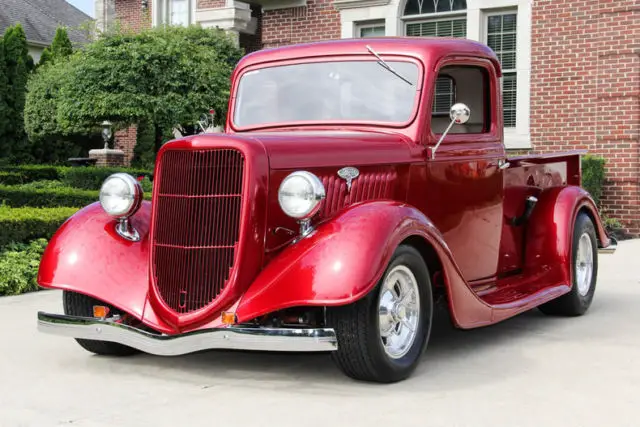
(584,264)
(399,311)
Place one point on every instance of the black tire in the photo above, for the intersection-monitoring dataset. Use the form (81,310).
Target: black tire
(360,354)
(576,303)
(76,304)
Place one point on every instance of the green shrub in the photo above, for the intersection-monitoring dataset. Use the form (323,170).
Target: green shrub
(45,184)
(24,224)
(33,172)
(11,178)
(91,177)
(19,264)
(593,176)
(21,195)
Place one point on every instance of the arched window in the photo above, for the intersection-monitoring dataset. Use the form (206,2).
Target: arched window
(421,7)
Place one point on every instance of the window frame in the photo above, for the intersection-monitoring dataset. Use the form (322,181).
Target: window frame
(492,133)
(370,24)
(161,14)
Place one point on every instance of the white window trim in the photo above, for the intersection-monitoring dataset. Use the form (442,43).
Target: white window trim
(391,12)
(359,26)
(160,12)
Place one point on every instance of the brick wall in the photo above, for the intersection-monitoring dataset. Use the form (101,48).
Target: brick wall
(317,21)
(131,15)
(585,91)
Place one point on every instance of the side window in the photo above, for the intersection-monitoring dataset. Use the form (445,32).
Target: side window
(466,84)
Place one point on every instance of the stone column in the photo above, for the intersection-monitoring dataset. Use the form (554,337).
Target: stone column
(105,12)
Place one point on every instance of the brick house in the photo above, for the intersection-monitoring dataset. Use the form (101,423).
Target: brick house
(571,68)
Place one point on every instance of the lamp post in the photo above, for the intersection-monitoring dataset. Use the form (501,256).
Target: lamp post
(107,133)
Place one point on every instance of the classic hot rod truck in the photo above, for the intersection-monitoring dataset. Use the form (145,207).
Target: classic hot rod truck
(356,184)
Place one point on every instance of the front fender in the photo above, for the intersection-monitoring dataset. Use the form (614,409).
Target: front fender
(86,255)
(344,259)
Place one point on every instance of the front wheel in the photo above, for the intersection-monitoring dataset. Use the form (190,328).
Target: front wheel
(382,336)
(584,270)
(76,304)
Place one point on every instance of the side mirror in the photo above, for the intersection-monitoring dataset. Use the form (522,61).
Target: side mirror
(459,114)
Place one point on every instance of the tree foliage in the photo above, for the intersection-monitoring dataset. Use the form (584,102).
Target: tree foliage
(60,47)
(16,59)
(4,106)
(164,76)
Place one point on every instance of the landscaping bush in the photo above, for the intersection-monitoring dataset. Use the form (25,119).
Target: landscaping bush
(19,264)
(11,178)
(593,176)
(91,177)
(33,172)
(22,195)
(25,224)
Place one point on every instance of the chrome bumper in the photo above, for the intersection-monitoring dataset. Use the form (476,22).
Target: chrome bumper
(611,248)
(236,338)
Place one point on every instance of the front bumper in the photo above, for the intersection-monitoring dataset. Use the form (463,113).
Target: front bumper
(235,338)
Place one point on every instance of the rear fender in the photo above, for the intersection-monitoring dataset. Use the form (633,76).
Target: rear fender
(86,255)
(344,258)
(550,229)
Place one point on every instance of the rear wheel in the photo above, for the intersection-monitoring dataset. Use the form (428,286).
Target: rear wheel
(584,267)
(382,336)
(76,304)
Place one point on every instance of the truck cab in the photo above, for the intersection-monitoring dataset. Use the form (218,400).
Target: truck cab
(357,183)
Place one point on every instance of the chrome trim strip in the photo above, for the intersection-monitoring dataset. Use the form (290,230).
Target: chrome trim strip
(609,249)
(236,338)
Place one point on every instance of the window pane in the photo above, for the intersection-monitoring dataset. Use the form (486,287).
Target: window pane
(377,31)
(501,37)
(419,7)
(449,28)
(179,12)
(509,99)
(444,96)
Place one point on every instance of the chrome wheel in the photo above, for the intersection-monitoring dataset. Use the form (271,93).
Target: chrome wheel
(399,311)
(584,264)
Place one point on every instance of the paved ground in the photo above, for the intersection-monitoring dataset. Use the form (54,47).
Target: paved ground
(529,371)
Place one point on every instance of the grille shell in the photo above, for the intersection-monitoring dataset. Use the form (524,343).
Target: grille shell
(197,225)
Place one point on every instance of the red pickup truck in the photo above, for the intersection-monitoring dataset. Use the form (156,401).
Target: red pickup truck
(357,183)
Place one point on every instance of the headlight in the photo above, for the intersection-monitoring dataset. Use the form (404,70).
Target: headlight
(120,195)
(300,194)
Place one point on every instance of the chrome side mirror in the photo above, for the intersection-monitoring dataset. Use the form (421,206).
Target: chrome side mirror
(459,114)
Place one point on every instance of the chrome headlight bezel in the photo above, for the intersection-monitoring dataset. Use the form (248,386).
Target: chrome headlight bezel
(133,194)
(315,201)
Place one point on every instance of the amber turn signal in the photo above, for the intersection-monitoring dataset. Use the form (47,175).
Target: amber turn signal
(228,318)
(100,311)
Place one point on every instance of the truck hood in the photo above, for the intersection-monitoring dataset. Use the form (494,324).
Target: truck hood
(305,149)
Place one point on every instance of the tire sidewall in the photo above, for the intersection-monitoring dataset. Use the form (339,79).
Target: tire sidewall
(584,225)
(402,367)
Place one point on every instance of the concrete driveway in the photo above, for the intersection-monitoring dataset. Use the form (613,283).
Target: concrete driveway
(532,370)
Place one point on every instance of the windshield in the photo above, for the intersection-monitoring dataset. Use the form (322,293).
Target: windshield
(327,91)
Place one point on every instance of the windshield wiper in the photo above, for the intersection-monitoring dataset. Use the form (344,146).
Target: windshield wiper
(385,65)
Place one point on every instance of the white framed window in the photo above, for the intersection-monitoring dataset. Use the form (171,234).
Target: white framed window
(174,12)
(370,29)
(503,25)
(500,35)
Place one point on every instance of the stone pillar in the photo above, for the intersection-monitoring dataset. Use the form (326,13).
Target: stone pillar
(105,12)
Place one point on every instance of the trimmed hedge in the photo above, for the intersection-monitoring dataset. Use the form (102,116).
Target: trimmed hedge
(593,176)
(33,172)
(91,177)
(82,177)
(11,178)
(20,196)
(19,264)
(24,224)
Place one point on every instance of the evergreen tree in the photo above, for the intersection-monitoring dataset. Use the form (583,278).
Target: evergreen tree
(4,107)
(17,60)
(60,47)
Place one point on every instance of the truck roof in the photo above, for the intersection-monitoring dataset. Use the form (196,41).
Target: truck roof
(428,49)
